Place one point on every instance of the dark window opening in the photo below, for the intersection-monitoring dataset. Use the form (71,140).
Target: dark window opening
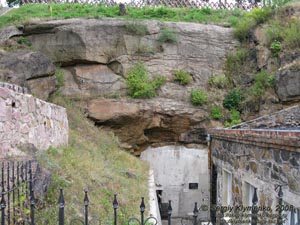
(193,185)
(13,104)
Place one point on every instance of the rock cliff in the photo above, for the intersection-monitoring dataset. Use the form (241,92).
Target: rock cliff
(95,56)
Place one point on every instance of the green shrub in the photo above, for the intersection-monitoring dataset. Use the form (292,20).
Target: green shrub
(262,81)
(198,97)
(233,99)
(216,112)
(218,81)
(136,28)
(139,83)
(292,37)
(234,118)
(183,77)
(274,32)
(275,48)
(167,36)
(235,61)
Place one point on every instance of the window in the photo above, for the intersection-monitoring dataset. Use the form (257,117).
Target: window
(227,188)
(293,215)
(248,193)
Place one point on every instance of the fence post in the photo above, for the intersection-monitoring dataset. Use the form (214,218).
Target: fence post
(115,206)
(86,207)
(142,210)
(3,203)
(61,203)
(196,211)
(8,192)
(13,194)
(280,195)
(254,208)
(32,200)
(169,212)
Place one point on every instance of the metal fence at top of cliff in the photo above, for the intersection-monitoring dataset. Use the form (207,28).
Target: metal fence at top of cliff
(230,5)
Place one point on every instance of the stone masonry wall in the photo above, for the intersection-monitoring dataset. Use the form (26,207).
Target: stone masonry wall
(262,158)
(285,119)
(26,120)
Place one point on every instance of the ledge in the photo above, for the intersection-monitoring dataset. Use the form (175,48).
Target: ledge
(279,139)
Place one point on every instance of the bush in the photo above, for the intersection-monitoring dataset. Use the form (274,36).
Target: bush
(235,61)
(292,37)
(183,77)
(218,81)
(167,36)
(262,81)
(274,32)
(198,97)
(140,85)
(233,100)
(136,28)
(275,48)
(216,112)
(234,118)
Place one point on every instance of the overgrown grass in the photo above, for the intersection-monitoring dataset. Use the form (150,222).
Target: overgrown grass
(65,11)
(183,77)
(94,162)
(198,97)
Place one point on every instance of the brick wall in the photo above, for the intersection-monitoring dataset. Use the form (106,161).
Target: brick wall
(25,120)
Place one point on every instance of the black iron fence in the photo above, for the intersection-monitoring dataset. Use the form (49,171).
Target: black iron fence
(17,191)
(18,203)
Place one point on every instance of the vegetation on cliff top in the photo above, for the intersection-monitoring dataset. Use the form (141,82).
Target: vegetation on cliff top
(66,11)
(92,161)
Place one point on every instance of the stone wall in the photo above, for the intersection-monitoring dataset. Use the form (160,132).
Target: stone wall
(261,158)
(285,119)
(28,121)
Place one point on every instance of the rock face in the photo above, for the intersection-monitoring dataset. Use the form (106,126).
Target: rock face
(96,55)
(139,123)
(31,69)
(288,82)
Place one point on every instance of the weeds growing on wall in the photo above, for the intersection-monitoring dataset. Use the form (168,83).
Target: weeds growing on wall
(234,118)
(216,112)
(167,35)
(233,99)
(262,81)
(183,77)
(198,97)
(218,81)
(136,28)
(139,83)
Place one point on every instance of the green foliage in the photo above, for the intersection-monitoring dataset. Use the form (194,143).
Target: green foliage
(136,28)
(251,19)
(292,37)
(139,83)
(216,112)
(167,36)
(235,62)
(183,77)
(234,118)
(24,41)
(233,99)
(262,81)
(274,32)
(218,81)
(198,97)
(21,14)
(59,74)
(275,48)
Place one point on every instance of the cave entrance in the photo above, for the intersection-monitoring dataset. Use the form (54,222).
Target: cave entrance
(181,175)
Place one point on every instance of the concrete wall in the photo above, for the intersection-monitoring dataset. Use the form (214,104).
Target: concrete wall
(26,120)
(174,168)
(261,158)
